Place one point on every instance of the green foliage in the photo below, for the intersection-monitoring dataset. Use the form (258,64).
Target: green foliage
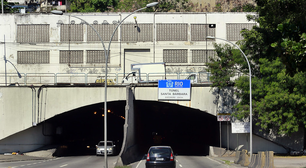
(7,7)
(163,6)
(174,5)
(244,8)
(218,7)
(278,99)
(276,51)
(132,5)
(222,67)
(92,5)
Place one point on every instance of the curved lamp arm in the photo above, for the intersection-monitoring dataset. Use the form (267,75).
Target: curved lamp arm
(19,75)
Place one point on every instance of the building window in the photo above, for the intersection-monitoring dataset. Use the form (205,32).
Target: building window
(202,56)
(71,32)
(171,32)
(71,56)
(33,57)
(175,56)
(104,30)
(137,33)
(233,30)
(33,33)
(96,56)
(199,32)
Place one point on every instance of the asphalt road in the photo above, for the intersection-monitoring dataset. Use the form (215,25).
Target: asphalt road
(63,162)
(189,162)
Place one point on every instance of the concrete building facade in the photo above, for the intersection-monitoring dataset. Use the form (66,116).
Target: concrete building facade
(62,44)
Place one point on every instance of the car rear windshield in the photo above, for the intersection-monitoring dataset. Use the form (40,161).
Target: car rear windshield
(108,144)
(160,151)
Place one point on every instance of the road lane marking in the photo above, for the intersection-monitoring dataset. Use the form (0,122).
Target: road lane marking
(64,165)
(138,164)
(213,160)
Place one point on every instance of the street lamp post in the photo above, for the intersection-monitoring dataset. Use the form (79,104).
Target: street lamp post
(106,60)
(5,61)
(251,132)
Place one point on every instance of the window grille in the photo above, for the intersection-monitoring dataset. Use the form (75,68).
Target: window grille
(33,57)
(141,32)
(104,30)
(71,56)
(175,56)
(233,30)
(171,32)
(96,56)
(72,32)
(33,33)
(202,56)
(199,32)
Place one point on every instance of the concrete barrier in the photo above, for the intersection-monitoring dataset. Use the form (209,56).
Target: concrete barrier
(253,160)
(237,157)
(259,161)
(243,158)
(216,151)
(269,159)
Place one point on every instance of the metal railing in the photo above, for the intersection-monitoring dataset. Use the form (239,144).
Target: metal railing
(38,79)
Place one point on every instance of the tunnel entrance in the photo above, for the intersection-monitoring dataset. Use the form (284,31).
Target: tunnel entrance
(77,132)
(188,131)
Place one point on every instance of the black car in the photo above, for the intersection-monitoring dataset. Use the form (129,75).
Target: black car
(160,156)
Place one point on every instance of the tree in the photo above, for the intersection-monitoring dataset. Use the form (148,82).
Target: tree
(276,51)
(7,7)
(132,5)
(92,5)
(163,6)
(222,67)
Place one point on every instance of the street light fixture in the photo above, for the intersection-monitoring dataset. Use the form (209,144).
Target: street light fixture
(106,60)
(251,132)
(5,61)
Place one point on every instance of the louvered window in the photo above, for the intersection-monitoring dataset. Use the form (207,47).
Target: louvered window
(175,56)
(199,32)
(33,57)
(137,33)
(172,32)
(96,56)
(202,56)
(71,32)
(104,30)
(233,30)
(33,33)
(71,56)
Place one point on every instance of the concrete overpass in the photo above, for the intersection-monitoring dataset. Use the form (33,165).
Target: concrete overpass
(32,117)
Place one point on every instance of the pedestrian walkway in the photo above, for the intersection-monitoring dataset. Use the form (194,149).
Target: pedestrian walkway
(35,155)
(14,158)
(279,161)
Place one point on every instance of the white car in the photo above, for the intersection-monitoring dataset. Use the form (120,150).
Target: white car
(111,148)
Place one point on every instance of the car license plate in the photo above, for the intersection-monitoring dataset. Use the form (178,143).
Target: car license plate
(159,158)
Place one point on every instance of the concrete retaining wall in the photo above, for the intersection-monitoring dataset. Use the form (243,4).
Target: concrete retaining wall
(129,151)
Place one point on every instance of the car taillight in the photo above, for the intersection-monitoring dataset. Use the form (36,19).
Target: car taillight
(171,157)
(148,157)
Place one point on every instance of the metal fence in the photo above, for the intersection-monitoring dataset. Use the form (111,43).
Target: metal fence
(38,79)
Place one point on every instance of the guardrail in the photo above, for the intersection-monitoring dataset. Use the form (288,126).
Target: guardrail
(38,79)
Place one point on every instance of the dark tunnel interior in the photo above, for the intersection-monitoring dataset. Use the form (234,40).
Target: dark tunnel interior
(77,132)
(188,131)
